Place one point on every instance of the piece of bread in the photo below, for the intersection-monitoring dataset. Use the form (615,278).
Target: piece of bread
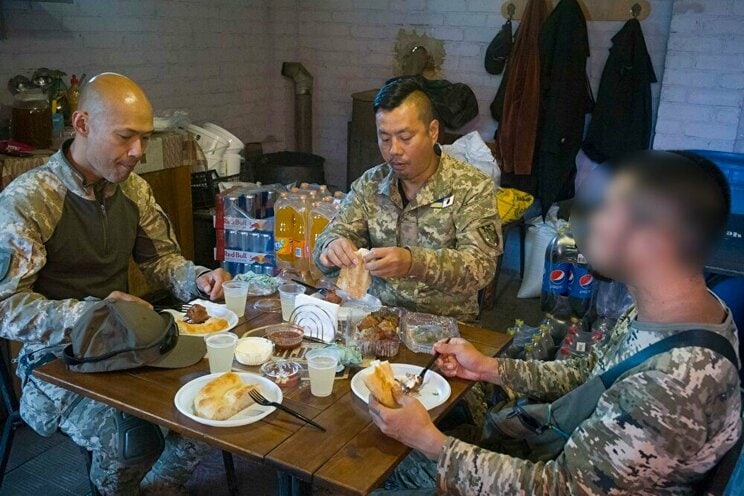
(381,383)
(355,280)
(223,397)
(213,324)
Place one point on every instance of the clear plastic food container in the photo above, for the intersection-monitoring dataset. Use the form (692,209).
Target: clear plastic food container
(421,330)
(381,342)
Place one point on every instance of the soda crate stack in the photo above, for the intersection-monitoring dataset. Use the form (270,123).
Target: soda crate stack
(244,227)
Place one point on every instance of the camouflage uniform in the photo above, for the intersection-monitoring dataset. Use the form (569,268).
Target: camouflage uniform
(657,430)
(63,241)
(451,227)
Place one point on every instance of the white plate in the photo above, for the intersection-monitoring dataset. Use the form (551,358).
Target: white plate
(214,310)
(184,400)
(435,391)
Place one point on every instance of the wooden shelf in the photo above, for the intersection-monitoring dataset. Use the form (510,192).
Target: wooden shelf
(594,10)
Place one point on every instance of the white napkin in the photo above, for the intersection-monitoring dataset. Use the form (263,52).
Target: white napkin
(330,308)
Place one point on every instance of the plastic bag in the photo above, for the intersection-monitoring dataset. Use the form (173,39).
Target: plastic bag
(539,234)
(472,149)
(512,203)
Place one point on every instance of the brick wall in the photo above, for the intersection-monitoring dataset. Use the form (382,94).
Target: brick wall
(348,44)
(210,58)
(702,96)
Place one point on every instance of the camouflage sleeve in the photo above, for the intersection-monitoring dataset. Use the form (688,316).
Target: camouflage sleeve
(546,381)
(156,249)
(25,315)
(349,223)
(472,264)
(644,428)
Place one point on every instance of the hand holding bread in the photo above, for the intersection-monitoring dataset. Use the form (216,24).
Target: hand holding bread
(382,384)
(355,280)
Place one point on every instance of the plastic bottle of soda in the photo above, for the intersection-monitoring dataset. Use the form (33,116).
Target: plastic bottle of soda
(299,234)
(580,286)
(320,217)
(559,256)
(284,213)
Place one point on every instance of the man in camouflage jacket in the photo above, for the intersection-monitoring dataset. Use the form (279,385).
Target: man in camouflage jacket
(69,229)
(662,425)
(430,220)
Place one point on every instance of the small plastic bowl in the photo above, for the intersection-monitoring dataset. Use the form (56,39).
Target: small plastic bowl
(253,351)
(283,373)
(285,336)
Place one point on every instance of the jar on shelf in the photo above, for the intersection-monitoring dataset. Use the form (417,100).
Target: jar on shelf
(31,119)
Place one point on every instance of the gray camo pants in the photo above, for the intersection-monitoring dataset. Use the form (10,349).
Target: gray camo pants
(92,425)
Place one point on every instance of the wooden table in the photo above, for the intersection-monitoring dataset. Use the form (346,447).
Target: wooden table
(352,457)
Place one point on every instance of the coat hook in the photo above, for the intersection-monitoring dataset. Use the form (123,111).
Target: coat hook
(635,10)
(510,10)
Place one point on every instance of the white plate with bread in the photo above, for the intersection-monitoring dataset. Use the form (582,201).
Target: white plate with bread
(382,377)
(221,319)
(222,400)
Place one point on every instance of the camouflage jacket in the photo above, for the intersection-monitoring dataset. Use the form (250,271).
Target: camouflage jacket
(657,430)
(452,228)
(63,242)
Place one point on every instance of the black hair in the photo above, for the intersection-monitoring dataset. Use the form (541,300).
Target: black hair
(398,90)
(693,186)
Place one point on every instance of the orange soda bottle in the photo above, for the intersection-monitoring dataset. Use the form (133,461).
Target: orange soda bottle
(284,217)
(299,233)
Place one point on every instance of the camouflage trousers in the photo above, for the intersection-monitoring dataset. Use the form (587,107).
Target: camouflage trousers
(93,425)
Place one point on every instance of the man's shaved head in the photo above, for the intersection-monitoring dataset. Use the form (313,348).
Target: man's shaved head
(110,91)
(406,90)
(112,125)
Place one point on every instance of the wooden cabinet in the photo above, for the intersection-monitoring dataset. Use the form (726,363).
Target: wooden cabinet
(172,190)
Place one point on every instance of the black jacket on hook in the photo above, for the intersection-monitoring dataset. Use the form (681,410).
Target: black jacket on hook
(566,99)
(621,120)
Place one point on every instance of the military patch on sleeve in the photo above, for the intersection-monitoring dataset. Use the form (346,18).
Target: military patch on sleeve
(4,263)
(490,234)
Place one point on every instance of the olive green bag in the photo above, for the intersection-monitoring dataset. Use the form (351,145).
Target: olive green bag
(539,431)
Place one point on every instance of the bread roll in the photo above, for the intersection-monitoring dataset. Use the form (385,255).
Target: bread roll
(223,397)
(381,383)
(356,280)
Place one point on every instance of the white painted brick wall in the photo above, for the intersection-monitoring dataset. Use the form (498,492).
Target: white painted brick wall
(702,94)
(210,58)
(348,46)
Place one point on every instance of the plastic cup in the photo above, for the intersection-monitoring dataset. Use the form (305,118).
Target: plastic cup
(287,294)
(220,351)
(236,294)
(321,365)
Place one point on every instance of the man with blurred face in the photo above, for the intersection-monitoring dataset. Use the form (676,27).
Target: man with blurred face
(662,425)
(429,220)
(70,228)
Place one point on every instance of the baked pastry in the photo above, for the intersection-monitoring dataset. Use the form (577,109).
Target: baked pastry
(355,280)
(223,397)
(213,324)
(381,383)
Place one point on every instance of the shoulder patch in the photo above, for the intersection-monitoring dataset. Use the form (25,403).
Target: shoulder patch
(5,256)
(490,234)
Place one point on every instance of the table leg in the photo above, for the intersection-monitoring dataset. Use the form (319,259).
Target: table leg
(292,486)
(232,481)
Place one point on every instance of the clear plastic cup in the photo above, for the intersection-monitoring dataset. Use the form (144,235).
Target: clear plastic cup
(321,365)
(220,351)
(236,294)
(287,294)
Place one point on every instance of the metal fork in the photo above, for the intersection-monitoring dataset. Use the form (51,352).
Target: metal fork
(263,401)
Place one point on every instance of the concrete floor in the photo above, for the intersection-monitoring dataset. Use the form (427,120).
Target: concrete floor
(55,466)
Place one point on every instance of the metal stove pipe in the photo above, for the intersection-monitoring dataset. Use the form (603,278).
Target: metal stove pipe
(303,83)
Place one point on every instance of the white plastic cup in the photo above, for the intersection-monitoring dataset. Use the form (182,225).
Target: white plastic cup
(321,365)
(287,295)
(220,351)
(236,294)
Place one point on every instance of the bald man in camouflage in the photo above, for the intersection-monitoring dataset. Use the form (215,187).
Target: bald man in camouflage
(430,220)
(69,229)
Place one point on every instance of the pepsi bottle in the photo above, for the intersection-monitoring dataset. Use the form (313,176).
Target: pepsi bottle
(559,257)
(581,286)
